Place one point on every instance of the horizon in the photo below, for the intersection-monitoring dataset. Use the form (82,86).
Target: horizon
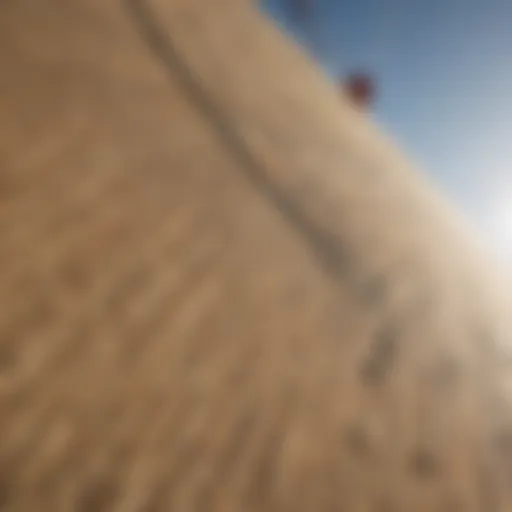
(445,97)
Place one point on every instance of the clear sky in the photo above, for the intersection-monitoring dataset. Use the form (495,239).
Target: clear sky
(444,76)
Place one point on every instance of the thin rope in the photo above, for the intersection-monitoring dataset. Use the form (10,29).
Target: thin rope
(327,248)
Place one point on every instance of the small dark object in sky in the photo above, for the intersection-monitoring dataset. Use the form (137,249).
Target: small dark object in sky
(361,89)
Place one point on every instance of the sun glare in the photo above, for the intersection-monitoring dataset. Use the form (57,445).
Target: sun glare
(501,224)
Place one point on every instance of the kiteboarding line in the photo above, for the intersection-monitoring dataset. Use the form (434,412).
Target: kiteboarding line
(335,259)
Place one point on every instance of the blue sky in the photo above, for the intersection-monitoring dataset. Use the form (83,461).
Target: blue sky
(444,74)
